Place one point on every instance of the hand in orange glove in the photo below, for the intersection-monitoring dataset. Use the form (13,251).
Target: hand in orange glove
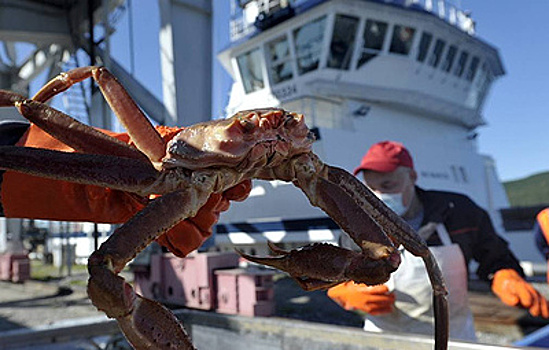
(26,196)
(375,300)
(513,290)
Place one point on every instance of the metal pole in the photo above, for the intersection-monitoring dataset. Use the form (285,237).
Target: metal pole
(91,34)
(95,237)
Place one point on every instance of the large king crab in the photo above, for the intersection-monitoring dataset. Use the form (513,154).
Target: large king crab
(207,158)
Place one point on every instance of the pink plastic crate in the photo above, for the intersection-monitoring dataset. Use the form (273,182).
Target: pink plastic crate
(14,267)
(247,292)
(189,281)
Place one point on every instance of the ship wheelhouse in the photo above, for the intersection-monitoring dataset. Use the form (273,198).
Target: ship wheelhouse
(345,49)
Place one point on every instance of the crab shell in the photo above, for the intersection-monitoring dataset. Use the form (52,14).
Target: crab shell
(250,139)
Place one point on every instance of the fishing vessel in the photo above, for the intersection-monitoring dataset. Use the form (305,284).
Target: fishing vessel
(361,71)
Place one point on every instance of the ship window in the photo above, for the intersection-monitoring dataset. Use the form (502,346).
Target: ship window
(343,39)
(402,39)
(472,69)
(250,68)
(374,35)
(449,59)
(424,44)
(482,75)
(280,60)
(434,60)
(308,44)
(460,67)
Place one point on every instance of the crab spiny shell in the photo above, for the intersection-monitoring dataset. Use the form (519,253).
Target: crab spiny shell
(248,139)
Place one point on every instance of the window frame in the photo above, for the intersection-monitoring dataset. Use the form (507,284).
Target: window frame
(322,44)
(411,41)
(264,80)
(271,64)
(448,62)
(351,48)
(472,68)
(459,68)
(374,51)
(427,48)
(434,57)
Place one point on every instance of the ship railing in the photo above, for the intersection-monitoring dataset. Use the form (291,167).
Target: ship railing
(244,12)
(444,9)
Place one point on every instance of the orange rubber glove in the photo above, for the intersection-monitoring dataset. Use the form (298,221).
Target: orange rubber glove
(374,300)
(26,196)
(513,290)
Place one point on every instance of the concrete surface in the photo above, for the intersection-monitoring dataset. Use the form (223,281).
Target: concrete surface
(38,304)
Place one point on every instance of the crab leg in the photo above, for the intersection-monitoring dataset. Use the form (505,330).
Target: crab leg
(92,169)
(68,130)
(338,265)
(391,222)
(145,323)
(145,136)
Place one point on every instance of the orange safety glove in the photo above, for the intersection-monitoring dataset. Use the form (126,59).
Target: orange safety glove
(374,300)
(189,234)
(26,196)
(513,290)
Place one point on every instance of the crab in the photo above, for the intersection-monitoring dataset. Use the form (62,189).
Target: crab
(206,158)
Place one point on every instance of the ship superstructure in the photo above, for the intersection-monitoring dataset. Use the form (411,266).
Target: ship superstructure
(361,71)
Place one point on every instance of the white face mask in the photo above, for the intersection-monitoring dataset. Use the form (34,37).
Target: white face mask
(393,201)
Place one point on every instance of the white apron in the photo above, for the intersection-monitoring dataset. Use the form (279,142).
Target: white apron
(413,309)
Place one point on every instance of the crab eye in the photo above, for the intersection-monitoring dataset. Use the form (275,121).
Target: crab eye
(290,121)
(247,125)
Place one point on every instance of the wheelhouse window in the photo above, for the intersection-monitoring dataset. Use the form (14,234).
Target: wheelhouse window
(373,38)
(424,44)
(343,40)
(449,59)
(472,69)
(483,75)
(250,67)
(308,44)
(401,43)
(460,66)
(434,59)
(280,60)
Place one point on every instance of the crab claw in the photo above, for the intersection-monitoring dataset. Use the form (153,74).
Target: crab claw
(321,266)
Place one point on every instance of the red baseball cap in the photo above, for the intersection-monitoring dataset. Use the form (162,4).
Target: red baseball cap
(385,157)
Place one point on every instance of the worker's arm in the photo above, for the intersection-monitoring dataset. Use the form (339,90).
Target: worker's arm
(498,264)
(26,196)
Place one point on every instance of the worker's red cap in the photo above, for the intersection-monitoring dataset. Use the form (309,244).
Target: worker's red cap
(385,157)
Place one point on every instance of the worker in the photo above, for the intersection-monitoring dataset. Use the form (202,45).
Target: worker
(456,231)
(26,196)
(541,234)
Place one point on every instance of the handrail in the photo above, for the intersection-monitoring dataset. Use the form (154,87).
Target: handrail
(242,25)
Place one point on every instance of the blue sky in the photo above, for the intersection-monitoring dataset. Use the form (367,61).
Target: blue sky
(517,109)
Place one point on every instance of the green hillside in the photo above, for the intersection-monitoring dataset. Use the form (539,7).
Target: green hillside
(529,191)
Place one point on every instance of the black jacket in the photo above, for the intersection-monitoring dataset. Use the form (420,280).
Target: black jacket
(471,228)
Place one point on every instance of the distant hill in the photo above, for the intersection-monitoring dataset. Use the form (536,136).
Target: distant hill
(529,191)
